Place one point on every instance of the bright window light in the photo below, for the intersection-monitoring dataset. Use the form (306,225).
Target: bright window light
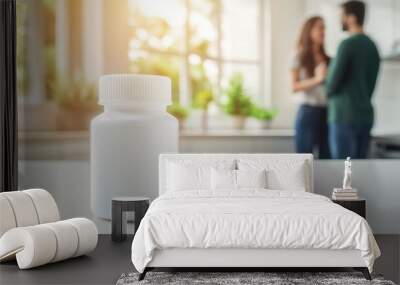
(198,43)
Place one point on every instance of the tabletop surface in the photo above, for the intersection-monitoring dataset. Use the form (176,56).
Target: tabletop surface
(130,199)
(349,200)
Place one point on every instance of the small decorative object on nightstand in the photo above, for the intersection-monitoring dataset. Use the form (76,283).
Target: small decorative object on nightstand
(347,192)
(358,206)
(347,196)
(121,205)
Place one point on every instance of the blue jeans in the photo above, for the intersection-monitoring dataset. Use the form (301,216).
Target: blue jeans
(349,140)
(312,131)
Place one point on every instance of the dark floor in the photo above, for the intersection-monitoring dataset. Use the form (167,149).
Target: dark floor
(110,260)
(103,266)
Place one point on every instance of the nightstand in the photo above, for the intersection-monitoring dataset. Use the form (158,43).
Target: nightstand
(121,205)
(358,206)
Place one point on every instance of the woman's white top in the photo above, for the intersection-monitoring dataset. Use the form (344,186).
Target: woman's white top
(315,96)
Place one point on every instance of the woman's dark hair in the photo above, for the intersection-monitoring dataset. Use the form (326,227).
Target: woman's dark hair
(305,47)
(355,8)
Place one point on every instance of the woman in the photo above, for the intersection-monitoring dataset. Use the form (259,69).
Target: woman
(308,72)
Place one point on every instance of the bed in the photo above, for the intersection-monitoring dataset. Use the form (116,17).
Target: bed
(246,211)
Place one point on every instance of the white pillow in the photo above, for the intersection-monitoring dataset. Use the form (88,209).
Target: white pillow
(223,179)
(281,174)
(188,177)
(193,174)
(251,178)
(226,179)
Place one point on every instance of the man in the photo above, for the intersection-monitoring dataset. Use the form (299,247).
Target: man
(350,83)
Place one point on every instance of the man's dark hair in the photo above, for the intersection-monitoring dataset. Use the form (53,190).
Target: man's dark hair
(355,8)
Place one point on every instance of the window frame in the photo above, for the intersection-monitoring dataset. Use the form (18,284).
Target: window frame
(185,96)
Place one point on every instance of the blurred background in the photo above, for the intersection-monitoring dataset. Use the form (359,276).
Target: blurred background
(230,63)
(213,50)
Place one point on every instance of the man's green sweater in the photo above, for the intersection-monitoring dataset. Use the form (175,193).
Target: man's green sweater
(351,81)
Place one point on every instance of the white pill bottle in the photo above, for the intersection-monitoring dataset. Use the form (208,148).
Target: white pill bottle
(127,138)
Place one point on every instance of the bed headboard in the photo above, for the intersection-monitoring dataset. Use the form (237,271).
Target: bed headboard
(165,158)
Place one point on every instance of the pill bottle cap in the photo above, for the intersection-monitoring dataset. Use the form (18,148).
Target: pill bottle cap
(139,91)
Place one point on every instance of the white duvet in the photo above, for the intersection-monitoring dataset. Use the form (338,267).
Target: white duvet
(250,219)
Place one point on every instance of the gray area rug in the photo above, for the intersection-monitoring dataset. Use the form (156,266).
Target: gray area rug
(269,278)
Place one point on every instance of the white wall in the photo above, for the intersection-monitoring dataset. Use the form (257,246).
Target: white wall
(381,22)
(286,18)
(387,99)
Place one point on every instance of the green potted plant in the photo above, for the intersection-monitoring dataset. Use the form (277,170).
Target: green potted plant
(202,101)
(180,112)
(77,105)
(236,103)
(264,115)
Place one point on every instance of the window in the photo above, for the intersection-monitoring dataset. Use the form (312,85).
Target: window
(199,44)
